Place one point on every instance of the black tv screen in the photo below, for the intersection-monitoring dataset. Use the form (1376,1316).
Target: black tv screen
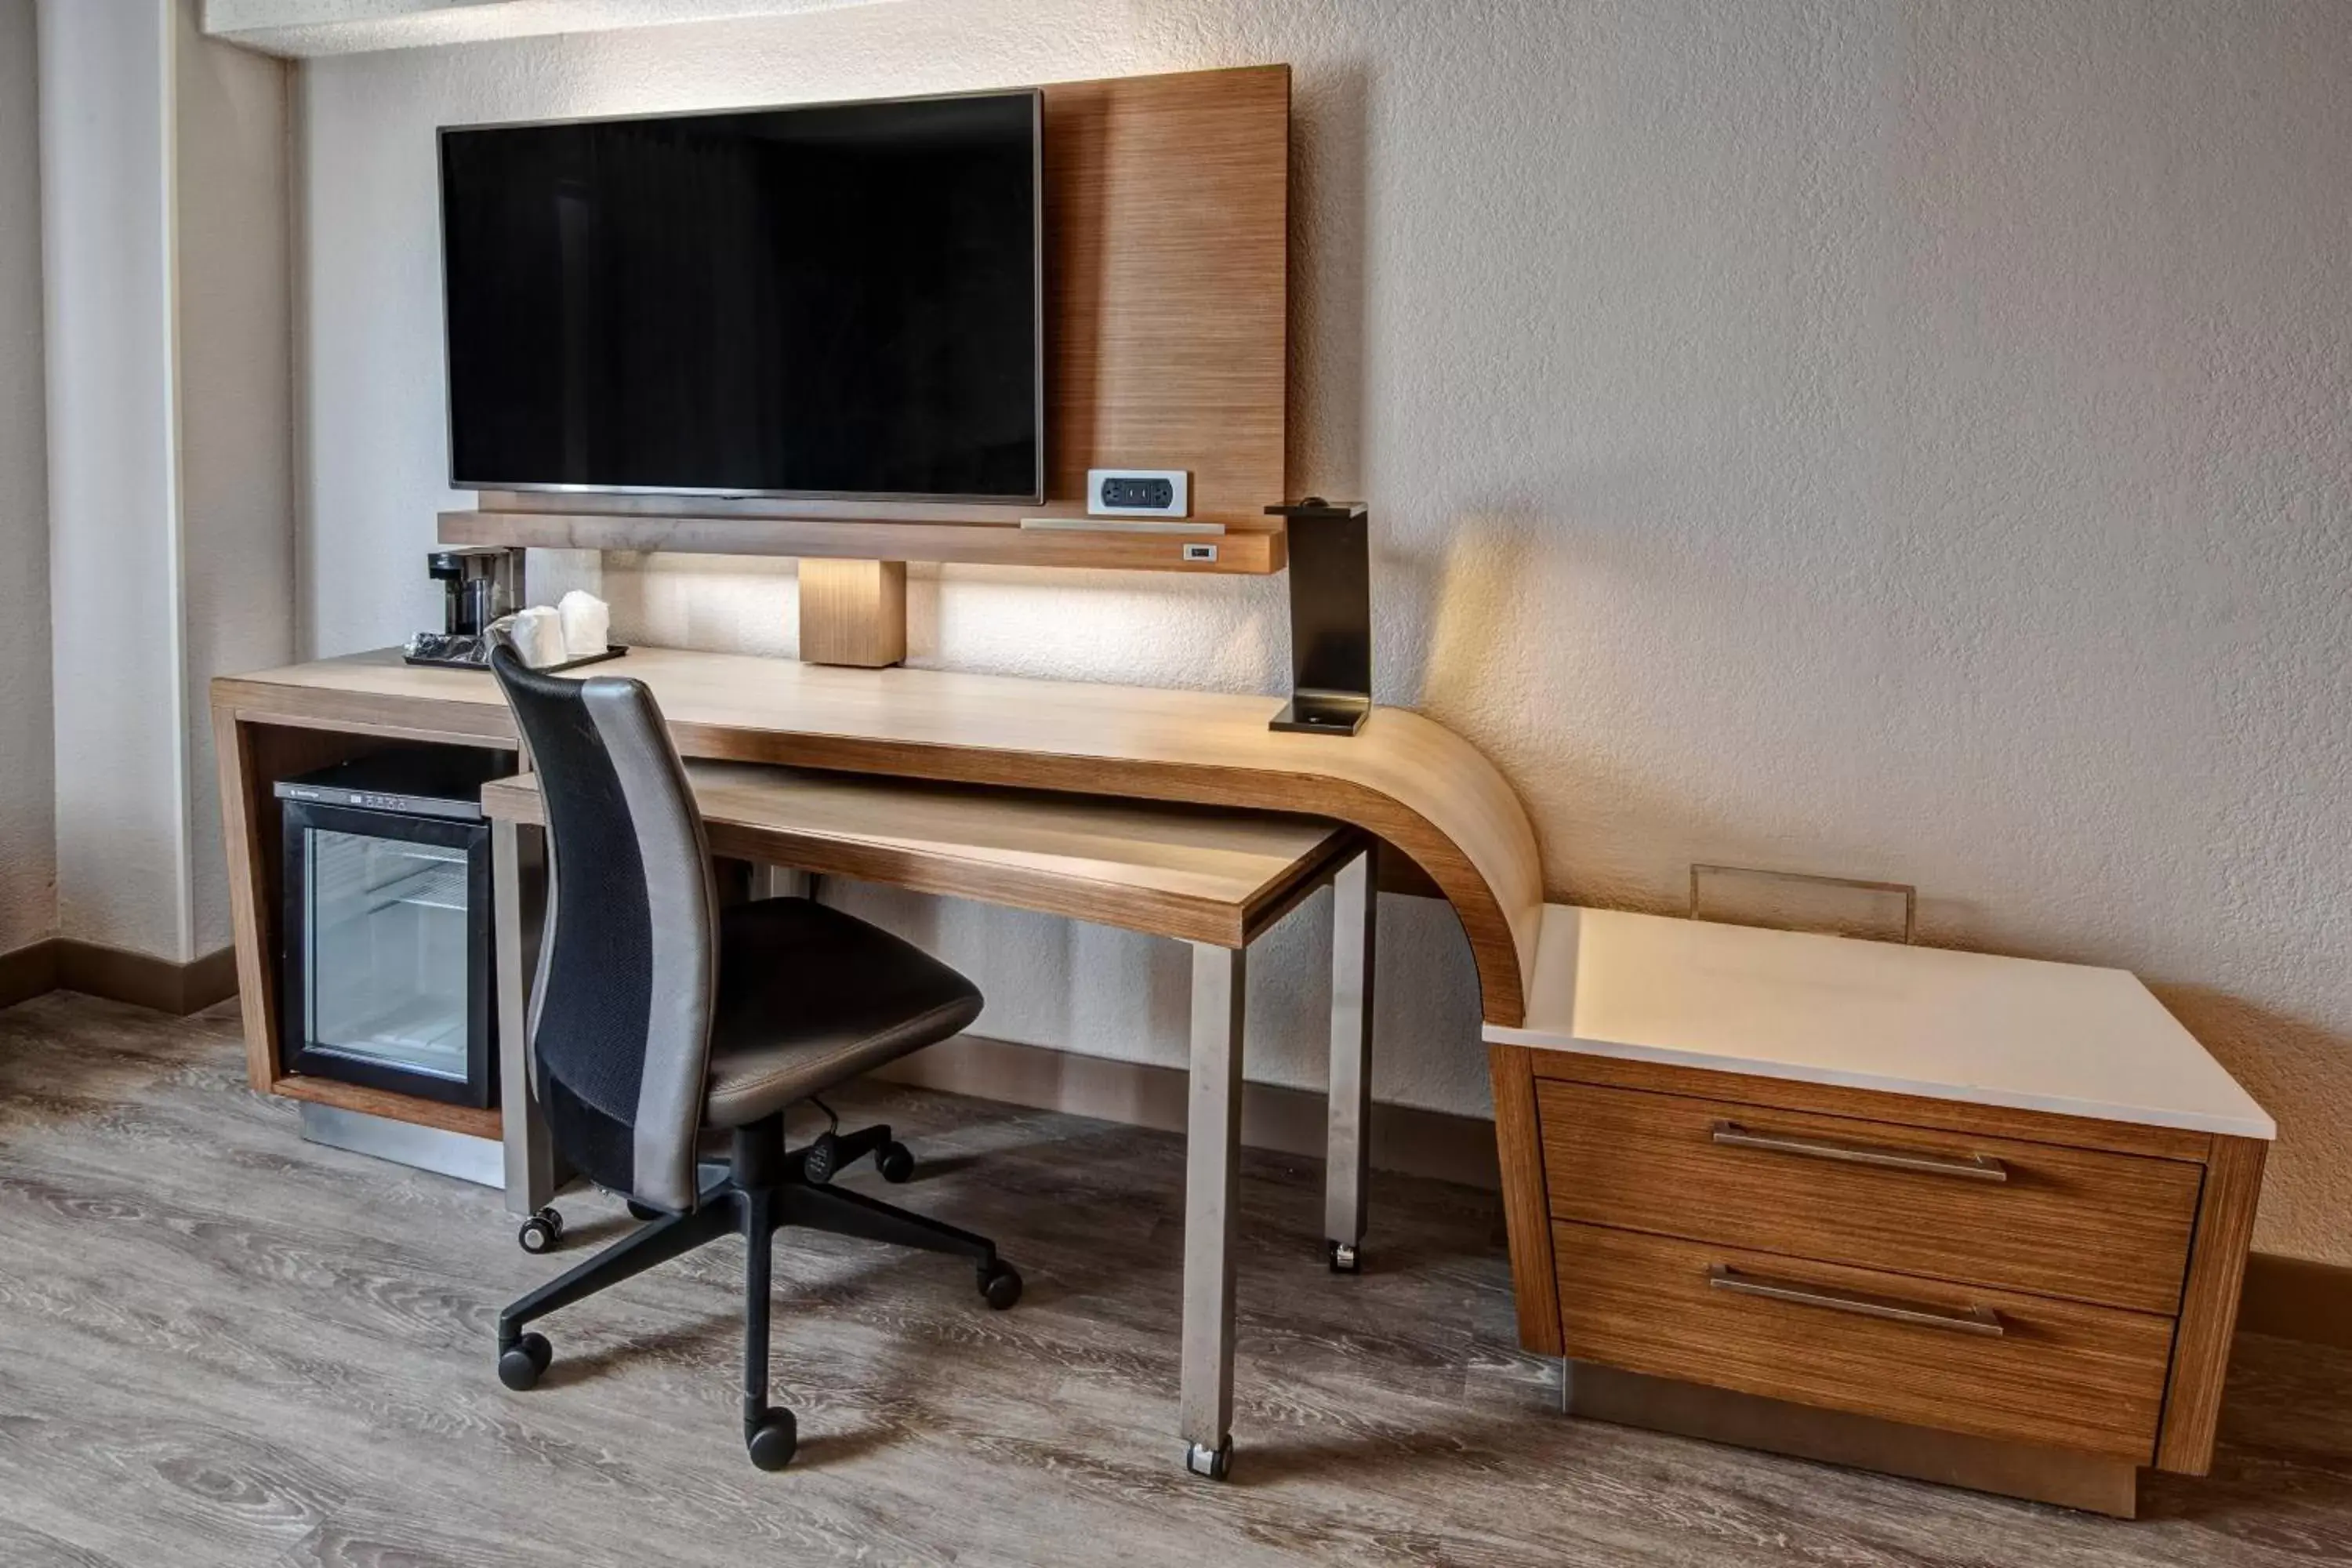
(840,299)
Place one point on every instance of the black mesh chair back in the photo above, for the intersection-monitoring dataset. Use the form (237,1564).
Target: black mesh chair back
(627,981)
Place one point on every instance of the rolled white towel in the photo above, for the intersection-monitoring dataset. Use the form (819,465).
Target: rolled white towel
(587,622)
(537,635)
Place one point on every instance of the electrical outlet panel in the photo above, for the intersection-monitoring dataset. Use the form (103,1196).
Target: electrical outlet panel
(1138,493)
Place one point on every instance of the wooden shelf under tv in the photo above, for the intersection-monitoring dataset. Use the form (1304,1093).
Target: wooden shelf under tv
(1254,546)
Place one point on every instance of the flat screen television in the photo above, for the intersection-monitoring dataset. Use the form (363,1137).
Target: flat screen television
(832,300)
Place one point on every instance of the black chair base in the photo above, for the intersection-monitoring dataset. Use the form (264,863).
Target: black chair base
(833,1151)
(764,1189)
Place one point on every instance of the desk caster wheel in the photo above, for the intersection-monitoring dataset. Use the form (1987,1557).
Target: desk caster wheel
(771,1439)
(542,1232)
(1000,1283)
(1215,1463)
(822,1158)
(644,1213)
(520,1362)
(896,1161)
(1345,1256)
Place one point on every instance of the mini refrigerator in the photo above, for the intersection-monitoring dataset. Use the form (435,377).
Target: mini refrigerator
(388,979)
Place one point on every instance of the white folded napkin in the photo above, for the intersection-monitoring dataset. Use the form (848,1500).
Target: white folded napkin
(538,636)
(587,623)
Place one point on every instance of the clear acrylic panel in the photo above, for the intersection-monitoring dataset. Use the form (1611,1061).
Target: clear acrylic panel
(387,978)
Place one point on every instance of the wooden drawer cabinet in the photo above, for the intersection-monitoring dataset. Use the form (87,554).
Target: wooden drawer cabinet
(1961,1358)
(2076,1222)
(1974,1219)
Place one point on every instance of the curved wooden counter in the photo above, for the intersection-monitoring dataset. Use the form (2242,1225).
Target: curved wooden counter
(1410,781)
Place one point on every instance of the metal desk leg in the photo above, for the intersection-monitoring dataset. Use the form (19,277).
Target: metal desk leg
(1348,1166)
(531,1171)
(781,882)
(1212,1180)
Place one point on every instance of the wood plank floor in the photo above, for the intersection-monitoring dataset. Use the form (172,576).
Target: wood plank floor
(219,1345)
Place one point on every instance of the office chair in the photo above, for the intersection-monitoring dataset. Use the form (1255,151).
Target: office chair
(658,1015)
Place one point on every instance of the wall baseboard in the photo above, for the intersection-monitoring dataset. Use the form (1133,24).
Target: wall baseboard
(2296,1298)
(116,975)
(1288,1120)
(28,972)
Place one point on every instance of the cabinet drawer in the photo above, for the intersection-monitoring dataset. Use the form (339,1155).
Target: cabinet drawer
(2078,1223)
(1960,1358)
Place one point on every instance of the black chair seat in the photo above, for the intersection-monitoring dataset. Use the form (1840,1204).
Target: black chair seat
(809,997)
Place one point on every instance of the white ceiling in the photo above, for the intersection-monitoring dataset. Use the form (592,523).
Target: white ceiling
(300,28)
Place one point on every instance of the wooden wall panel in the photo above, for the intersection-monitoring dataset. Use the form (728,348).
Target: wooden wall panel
(1167,212)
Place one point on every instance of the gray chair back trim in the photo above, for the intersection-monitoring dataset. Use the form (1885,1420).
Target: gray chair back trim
(621,1021)
(683,903)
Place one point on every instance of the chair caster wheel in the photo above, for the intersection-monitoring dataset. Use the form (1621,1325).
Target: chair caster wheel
(896,1161)
(643,1212)
(542,1232)
(1000,1283)
(771,1439)
(821,1159)
(1215,1463)
(520,1362)
(1345,1256)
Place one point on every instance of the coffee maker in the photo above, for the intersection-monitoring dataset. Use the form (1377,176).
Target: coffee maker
(479,580)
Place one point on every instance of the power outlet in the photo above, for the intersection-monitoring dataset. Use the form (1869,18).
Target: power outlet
(1138,493)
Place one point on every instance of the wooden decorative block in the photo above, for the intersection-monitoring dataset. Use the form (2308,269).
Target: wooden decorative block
(853,611)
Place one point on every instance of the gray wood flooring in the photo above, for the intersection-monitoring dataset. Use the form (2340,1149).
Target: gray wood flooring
(221,1345)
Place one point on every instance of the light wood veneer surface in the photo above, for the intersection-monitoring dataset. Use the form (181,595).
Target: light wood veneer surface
(2080,1223)
(1171,870)
(2060,1374)
(1402,778)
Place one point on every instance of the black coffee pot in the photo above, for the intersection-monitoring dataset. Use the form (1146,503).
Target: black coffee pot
(480,583)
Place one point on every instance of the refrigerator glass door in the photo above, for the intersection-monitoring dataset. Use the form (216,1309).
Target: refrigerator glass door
(388,928)
(387,961)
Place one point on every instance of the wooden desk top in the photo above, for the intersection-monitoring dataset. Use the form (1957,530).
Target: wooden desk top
(2060,1037)
(1196,873)
(1402,778)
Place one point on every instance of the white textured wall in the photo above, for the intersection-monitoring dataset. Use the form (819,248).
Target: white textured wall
(122,874)
(28,861)
(170,446)
(1909,441)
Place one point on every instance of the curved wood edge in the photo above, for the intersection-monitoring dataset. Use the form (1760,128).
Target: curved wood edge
(1501,942)
(1423,790)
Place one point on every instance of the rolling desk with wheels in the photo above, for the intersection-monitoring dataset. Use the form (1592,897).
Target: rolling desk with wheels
(1215,880)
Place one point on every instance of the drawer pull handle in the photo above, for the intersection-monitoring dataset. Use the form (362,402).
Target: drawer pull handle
(1926,1314)
(1967,1167)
